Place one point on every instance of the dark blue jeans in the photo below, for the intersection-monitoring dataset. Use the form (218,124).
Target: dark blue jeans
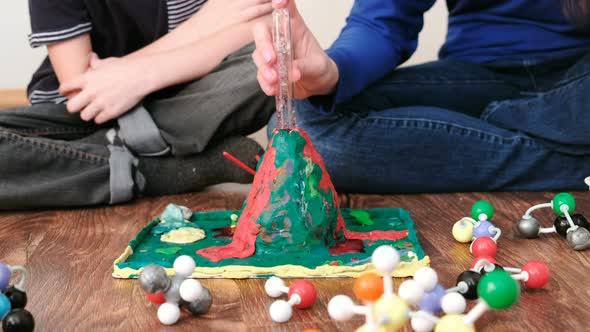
(450,126)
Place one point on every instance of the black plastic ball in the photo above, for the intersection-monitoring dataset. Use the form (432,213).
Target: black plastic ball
(471,278)
(18,298)
(201,305)
(562,225)
(18,320)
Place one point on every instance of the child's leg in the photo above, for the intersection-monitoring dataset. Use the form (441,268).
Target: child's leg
(43,166)
(425,149)
(50,158)
(226,102)
(186,133)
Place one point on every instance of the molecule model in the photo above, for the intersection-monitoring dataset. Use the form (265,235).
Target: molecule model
(478,225)
(496,290)
(301,295)
(171,293)
(573,227)
(13,300)
(383,309)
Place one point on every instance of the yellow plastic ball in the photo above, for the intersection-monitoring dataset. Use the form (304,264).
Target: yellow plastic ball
(463,231)
(453,323)
(395,309)
(378,329)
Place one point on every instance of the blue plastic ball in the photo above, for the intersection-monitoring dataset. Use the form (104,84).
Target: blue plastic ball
(4,306)
(4,276)
(483,229)
(430,302)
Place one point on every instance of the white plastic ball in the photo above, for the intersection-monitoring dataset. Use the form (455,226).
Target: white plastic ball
(274,287)
(422,324)
(168,313)
(184,266)
(341,308)
(385,259)
(427,278)
(190,290)
(280,311)
(453,303)
(410,291)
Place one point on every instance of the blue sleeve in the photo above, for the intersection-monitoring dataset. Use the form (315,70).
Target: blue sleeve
(379,35)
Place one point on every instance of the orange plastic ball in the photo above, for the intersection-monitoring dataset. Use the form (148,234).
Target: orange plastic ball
(368,287)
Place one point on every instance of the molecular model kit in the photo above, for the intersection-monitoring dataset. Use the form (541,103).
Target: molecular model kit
(13,300)
(483,236)
(573,227)
(172,293)
(384,310)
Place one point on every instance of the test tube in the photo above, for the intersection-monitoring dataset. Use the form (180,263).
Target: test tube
(282,42)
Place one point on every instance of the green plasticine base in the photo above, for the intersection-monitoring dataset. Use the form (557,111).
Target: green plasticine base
(147,248)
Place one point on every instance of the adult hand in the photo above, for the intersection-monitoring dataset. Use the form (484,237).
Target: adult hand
(108,89)
(217,15)
(314,72)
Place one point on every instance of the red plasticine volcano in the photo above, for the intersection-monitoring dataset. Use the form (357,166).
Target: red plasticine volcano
(292,203)
(291,225)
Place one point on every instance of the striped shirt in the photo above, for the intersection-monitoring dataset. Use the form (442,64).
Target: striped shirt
(116,28)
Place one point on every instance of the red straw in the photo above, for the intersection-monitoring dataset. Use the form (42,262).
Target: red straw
(238,163)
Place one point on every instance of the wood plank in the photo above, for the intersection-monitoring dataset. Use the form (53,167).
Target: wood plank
(13,98)
(70,255)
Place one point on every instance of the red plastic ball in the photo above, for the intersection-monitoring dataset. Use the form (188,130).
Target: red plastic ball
(487,258)
(538,274)
(306,291)
(484,246)
(157,298)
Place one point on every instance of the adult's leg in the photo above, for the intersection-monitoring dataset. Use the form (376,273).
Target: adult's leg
(558,117)
(425,149)
(45,162)
(456,85)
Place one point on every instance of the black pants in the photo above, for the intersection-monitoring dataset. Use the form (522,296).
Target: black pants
(50,158)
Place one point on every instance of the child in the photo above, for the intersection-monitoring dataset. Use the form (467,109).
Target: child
(505,108)
(135,98)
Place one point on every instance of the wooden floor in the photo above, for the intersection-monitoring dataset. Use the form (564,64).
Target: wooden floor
(13,98)
(70,256)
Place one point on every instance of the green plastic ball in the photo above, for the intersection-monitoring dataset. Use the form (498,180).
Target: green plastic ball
(482,207)
(498,289)
(561,199)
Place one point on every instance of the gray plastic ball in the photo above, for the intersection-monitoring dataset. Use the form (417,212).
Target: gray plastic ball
(528,228)
(579,239)
(153,279)
(201,305)
(173,293)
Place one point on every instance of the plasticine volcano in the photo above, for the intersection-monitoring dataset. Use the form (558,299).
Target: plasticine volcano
(290,225)
(292,206)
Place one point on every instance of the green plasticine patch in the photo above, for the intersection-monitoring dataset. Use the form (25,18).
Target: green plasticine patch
(168,251)
(363,217)
(148,249)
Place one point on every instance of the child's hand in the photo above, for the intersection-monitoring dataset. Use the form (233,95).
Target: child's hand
(109,89)
(314,72)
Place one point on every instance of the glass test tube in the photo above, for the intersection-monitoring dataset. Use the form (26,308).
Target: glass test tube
(282,42)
